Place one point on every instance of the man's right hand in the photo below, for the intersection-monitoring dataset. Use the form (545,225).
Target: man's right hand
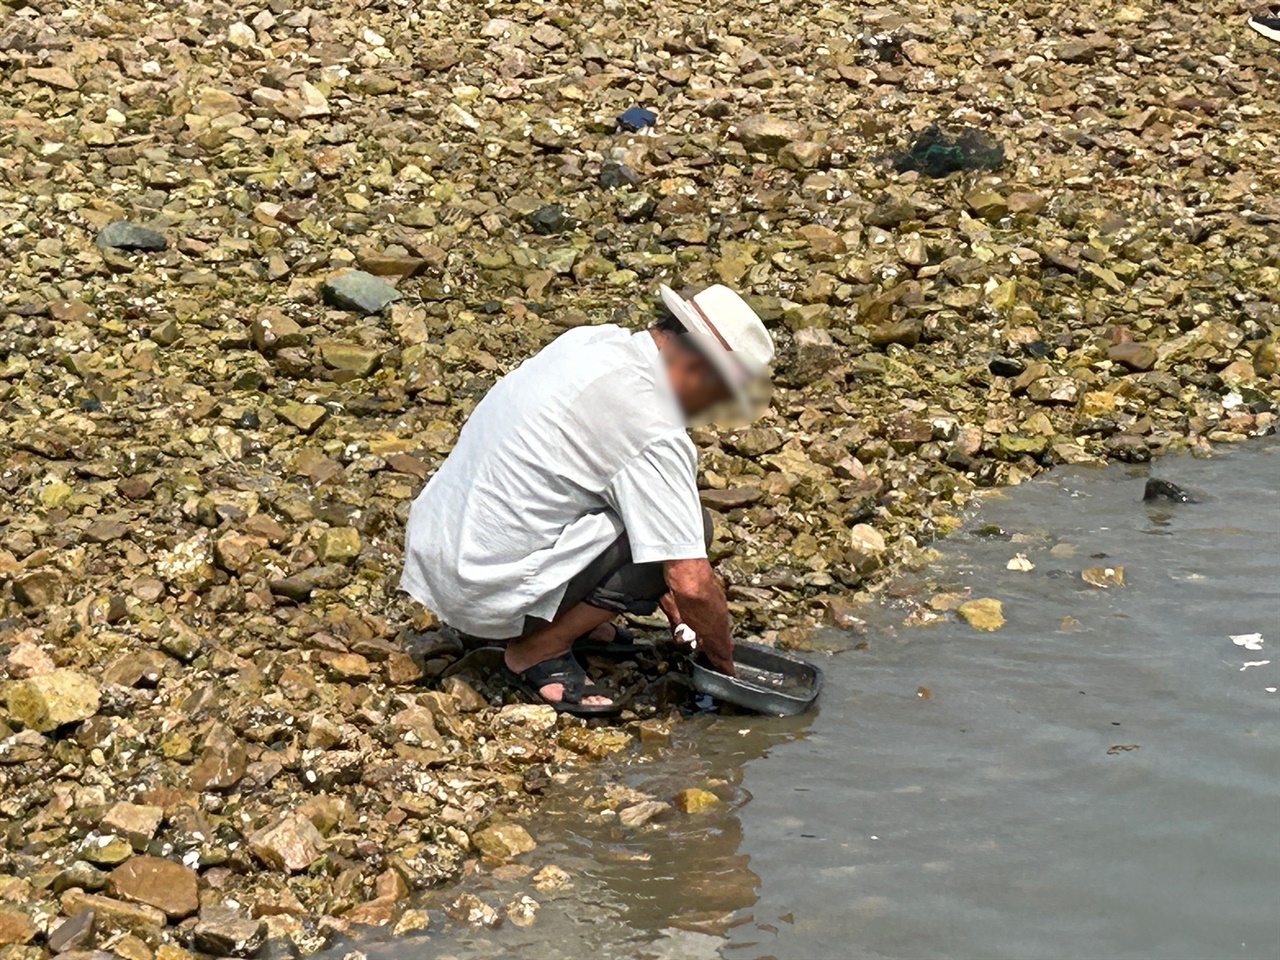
(703,607)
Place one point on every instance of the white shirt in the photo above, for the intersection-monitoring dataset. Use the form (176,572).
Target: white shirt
(574,446)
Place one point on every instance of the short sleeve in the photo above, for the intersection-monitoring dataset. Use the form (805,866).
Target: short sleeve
(656,495)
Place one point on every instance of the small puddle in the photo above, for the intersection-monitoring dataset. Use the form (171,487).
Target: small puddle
(1096,778)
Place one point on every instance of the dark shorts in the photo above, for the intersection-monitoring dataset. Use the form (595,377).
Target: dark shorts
(613,582)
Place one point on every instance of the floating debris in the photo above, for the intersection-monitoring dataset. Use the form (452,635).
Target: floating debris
(1250,641)
(1103,577)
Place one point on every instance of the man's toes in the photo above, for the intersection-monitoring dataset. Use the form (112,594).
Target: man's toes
(597,701)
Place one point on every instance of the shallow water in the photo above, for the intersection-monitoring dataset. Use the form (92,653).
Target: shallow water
(1096,779)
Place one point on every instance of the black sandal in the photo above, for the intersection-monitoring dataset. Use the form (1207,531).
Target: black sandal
(623,646)
(566,671)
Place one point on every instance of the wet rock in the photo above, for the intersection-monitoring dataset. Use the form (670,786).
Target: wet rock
(224,932)
(412,922)
(122,235)
(695,800)
(47,701)
(522,911)
(866,545)
(1157,489)
(551,877)
(500,842)
(156,882)
(468,908)
(1103,578)
(984,613)
(638,814)
(291,844)
(359,292)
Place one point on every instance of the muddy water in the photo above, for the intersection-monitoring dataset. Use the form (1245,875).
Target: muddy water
(1099,778)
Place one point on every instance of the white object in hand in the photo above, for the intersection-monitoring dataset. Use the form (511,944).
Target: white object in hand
(684,634)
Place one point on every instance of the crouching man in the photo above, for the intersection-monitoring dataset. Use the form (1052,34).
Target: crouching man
(571,496)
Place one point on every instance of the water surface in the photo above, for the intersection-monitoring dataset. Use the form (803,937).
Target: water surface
(1096,779)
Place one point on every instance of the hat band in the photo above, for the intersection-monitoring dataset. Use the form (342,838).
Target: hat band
(710,326)
(743,370)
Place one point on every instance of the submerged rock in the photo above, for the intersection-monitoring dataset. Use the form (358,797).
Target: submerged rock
(1157,489)
(984,613)
(500,842)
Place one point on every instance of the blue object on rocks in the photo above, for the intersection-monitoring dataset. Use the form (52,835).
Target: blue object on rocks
(637,118)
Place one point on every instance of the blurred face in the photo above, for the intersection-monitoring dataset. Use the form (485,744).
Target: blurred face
(695,382)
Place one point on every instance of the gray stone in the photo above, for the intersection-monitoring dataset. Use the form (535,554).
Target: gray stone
(123,235)
(72,933)
(359,292)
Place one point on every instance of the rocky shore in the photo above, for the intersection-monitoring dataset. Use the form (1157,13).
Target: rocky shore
(262,260)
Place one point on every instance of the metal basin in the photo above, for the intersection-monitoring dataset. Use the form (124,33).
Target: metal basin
(769,681)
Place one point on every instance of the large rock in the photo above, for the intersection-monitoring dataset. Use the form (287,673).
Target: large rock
(47,701)
(292,844)
(359,292)
(768,134)
(168,886)
(123,235)
(500,842)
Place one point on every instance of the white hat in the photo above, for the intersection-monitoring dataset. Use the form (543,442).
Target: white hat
(728,332)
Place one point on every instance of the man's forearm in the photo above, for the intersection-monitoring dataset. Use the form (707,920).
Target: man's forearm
(702,605)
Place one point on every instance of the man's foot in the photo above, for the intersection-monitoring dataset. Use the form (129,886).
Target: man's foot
(560,681)
(1269,27)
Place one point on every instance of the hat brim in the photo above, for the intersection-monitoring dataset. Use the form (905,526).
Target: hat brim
(733,374)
